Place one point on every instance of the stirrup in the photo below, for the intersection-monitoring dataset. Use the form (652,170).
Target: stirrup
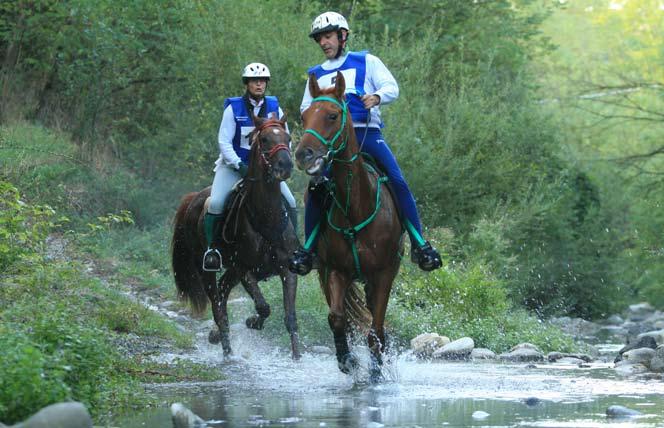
(426,257)
(212,260)
(301,262)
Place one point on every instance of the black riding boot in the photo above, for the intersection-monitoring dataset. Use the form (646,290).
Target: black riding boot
(426,257)
(212,257)
(301,262)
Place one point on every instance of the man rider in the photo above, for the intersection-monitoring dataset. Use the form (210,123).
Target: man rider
(234,148)
(369,84)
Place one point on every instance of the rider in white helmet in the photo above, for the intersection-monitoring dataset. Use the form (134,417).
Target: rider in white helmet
(369,85)
(232,164)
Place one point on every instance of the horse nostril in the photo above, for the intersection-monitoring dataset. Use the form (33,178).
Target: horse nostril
(304,155)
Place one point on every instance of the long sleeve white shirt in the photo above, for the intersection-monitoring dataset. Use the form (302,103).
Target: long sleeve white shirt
(227,155)
(378,80)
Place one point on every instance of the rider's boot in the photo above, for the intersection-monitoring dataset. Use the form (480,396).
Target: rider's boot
(302,261)
(425,256)
(421,251)
(212,257)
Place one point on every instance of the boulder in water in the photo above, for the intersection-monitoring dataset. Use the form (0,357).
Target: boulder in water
(643,342)
(621,412)
(60,415)
(185,418)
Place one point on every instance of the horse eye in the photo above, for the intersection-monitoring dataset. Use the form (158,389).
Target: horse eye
(333,116)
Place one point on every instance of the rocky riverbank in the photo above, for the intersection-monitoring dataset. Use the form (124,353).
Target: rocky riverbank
(640,329)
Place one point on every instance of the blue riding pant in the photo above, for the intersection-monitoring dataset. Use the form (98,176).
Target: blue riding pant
(373,144)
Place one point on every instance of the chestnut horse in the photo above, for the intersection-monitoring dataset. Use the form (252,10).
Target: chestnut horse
(258,239)
(361,234)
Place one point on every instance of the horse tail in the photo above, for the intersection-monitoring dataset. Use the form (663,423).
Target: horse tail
(185,269)
(355,309)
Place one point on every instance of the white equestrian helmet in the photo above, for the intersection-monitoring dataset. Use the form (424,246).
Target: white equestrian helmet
(255,70)
(328,21)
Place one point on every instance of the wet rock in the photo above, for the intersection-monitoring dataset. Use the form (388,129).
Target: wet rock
(640,310)
(457,350)
(523,352)
(614,320)
(425,344)
(526,345)
(657,362)
(658,335)
(60,415)
(643,342)
(580,358)
(552,357)
(532,401)
(184,418)
(482,354)
(570,360)
(639,356)
(624,368)
(479,414)
(621,412)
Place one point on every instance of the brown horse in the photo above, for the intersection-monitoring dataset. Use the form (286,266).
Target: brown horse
(362,237)
(258,239)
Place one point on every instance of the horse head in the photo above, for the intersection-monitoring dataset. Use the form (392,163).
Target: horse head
(270,148)
(324,123)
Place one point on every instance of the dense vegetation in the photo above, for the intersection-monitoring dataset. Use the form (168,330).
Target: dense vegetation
(535,158)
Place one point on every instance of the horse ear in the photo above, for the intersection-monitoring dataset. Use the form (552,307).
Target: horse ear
(258,121)
(314,89)
(283,120)
(340,86)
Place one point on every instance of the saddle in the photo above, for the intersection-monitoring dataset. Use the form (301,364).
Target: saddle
(231,216)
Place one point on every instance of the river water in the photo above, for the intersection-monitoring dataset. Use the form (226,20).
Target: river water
(264,387)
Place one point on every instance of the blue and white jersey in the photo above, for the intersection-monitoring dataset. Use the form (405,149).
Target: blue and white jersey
(236,125)
(364,74)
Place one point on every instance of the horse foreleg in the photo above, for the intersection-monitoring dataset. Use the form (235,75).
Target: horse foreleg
(377,301)
(219,297)
(257,320)
(336,285)
(289,284)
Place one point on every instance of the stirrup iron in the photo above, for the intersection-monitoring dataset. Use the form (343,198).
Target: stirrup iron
(212,260)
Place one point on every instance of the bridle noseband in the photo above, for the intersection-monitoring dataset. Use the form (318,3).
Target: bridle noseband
(267,155)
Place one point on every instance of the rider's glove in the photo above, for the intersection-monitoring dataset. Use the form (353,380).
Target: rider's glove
(242,168)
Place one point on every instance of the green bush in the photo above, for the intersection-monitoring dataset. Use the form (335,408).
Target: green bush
(22,228)
(29,377)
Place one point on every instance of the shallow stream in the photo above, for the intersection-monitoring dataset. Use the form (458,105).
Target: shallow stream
(264,387)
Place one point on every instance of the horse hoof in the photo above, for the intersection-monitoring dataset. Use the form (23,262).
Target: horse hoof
(375,375)
(255,322)
(348,363)
(214,337)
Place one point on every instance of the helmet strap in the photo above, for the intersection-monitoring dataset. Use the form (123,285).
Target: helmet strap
(342,42)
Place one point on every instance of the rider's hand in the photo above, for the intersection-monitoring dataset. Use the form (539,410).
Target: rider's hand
(242,168)
(370,100)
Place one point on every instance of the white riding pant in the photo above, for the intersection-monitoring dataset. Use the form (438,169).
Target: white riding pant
(225,178)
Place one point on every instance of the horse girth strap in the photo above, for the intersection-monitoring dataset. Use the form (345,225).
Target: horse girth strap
(350,233)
